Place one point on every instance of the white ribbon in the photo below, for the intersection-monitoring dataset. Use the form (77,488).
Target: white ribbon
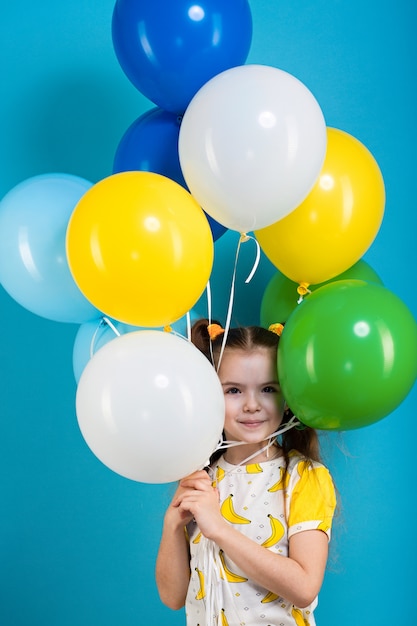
(242,239)
(103,321)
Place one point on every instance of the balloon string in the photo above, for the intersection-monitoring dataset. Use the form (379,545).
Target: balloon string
(229,308)
(302,291)
(209,314)
(104,321)
(257,259)
(242,239)
(112,326)
(208,290)
(294,421)
(188,319)
(224,443)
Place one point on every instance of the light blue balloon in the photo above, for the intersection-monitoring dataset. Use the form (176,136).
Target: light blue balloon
(94,334)
(90,337)
(33,264)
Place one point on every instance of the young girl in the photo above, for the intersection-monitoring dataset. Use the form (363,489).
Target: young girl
(246,542)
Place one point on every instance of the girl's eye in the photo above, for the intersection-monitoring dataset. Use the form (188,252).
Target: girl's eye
(232,390)
(270,389)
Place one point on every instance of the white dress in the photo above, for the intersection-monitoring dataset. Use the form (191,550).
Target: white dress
(267,504)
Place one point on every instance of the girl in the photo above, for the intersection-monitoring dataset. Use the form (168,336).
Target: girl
(257,522)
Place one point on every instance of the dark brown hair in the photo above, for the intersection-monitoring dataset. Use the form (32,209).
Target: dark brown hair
(303,439)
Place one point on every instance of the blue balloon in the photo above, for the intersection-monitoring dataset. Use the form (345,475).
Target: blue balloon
(150,144)
(169,49)
(217,230)
(33,264)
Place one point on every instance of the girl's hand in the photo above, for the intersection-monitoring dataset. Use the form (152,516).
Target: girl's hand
(201,500)
(199,480)
(180,517)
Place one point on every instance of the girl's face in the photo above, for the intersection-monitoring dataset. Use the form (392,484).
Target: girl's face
(254,403)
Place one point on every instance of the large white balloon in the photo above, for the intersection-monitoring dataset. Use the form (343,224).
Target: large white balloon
(150,406)
(251,145)
(93,335)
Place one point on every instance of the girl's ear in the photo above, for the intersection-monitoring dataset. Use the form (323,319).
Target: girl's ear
(284,407)
(287,411)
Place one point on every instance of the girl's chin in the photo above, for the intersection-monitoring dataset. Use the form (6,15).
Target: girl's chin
(247,437)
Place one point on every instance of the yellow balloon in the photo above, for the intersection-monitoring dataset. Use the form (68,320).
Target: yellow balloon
(140,248)
(337,222)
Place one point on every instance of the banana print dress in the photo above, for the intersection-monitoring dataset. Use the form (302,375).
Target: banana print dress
(269,505)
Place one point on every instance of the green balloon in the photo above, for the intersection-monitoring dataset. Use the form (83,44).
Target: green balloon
(281,297)
(348,355)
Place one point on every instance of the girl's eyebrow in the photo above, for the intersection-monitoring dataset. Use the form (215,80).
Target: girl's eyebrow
(264,384)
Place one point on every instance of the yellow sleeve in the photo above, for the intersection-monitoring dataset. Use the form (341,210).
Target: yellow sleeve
(312,499)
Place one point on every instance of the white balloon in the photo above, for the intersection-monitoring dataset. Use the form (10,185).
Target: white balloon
(93,335)
(252,143)
(150,406)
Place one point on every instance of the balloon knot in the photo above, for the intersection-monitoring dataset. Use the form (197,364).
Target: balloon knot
(168,329)
(244,237)
(303,289)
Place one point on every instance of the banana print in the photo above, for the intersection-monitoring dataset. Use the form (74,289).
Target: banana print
(270,597)
(220,474)
(230,514)
(198,538)
(224,620)
(202,591)
(225,572)
(277,532)
(299,618)
(254,468)
(282,482)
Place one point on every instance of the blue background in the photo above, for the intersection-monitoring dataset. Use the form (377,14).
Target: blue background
(78,542)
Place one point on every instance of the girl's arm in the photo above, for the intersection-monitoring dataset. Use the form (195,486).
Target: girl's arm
(173,560)
(172,564)
(296,578)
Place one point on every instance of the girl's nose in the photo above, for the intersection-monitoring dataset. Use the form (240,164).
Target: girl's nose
(251,404)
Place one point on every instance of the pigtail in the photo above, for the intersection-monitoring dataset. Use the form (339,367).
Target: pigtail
(200,336)
(302,438)
(305,441)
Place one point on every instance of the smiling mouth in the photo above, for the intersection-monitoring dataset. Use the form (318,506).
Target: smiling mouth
(252,424)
